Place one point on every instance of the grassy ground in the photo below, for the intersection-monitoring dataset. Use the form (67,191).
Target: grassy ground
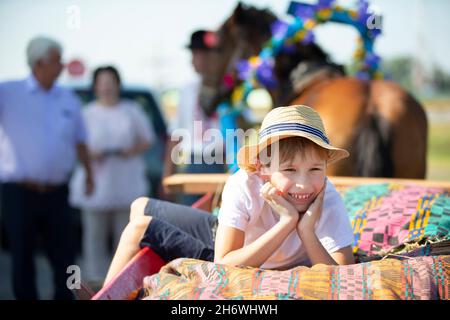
(439,139)
(439,151)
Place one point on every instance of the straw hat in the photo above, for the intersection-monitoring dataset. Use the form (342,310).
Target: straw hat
(284,122)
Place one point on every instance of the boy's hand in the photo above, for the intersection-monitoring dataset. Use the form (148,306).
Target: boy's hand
(280,205)
(312,215)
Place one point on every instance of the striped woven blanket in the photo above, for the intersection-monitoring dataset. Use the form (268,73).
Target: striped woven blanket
(391,218)
(414,278)
(401,243)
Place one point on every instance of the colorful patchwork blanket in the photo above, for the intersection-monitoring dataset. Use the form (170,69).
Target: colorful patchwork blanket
(410,279)
(391,218)
(402,245)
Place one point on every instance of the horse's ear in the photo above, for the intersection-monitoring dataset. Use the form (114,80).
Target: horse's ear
(240,9)
(239,12)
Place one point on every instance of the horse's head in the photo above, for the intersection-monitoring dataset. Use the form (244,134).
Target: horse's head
(240,37)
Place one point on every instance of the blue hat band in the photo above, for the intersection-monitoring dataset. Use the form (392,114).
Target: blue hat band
(293,127)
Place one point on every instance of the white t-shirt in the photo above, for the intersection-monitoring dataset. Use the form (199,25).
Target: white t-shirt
(193,120)
(118,181)
(243,208)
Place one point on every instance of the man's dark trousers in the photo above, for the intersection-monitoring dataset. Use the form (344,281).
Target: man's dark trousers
(28,213)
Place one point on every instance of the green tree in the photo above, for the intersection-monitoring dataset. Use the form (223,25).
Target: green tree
(399,69)
(440,80)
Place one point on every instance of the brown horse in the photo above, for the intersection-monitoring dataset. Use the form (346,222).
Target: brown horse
(383,127)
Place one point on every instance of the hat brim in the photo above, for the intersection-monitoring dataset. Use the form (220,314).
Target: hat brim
(200,47)
(248,155)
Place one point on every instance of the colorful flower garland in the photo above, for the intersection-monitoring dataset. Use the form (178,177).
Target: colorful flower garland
(257,71)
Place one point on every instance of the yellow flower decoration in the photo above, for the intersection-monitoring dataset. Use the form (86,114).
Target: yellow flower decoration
(353,14)
(359,53)
(324,14)
(309,24)
(299,35)
(237,95)
(254,61)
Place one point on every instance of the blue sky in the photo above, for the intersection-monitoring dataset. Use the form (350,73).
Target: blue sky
(145,38)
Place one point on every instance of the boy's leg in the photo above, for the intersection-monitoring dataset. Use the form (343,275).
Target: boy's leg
(166,239)
(170,242)
(138,206)
(176,230)
(120,219)
(130,239)
(195,222)
(128,245)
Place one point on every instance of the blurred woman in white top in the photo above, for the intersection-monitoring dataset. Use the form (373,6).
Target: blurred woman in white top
(119,132)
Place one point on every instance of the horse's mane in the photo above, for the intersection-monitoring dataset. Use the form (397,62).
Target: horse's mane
(255,25)
(287,61)
(255,22)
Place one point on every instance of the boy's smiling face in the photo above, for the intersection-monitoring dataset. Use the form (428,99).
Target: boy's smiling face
(299,179)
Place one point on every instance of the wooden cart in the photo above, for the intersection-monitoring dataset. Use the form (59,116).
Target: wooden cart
(147,262)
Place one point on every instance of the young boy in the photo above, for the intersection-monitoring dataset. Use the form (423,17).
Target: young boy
(277,212)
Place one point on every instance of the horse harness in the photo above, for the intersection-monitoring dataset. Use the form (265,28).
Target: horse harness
(309,74)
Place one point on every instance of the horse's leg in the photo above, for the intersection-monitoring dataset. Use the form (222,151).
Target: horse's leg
(408,125)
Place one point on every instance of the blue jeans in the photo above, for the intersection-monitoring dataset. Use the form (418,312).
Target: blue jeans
(179,231)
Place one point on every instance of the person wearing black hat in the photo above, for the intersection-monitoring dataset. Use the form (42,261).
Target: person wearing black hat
(191,117)
(202,39)
(202,43)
